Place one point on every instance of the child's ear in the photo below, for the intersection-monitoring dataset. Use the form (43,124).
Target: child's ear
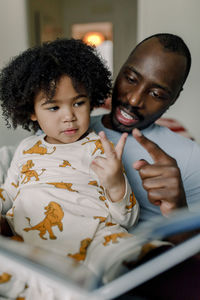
(33,117)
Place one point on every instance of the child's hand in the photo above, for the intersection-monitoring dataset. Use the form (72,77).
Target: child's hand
(110,169)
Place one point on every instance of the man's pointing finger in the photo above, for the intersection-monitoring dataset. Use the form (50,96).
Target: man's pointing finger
(157,154)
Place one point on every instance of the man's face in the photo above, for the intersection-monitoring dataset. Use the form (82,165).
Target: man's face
(148,83)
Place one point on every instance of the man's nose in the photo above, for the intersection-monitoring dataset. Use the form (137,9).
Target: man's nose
(136,98)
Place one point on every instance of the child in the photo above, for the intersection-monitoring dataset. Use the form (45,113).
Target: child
(65,189)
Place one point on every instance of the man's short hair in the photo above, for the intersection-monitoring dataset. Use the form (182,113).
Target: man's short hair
(172,43)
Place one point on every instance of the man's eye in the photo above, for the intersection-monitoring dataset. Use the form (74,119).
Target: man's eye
(54,108)
(158,96)
(131,79)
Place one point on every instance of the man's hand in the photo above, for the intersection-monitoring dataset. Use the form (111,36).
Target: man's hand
(162,179)
(110,169)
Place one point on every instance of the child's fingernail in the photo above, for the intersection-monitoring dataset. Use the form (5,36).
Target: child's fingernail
(137,132)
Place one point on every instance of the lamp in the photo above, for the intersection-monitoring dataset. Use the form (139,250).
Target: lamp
(93,38)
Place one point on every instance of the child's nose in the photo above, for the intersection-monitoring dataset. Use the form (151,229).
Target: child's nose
(68,115)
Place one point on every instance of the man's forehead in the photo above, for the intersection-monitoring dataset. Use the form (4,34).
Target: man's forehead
(151,47)
(152,56)
(157,66)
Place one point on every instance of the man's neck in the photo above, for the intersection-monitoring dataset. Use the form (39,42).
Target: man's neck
(106,121)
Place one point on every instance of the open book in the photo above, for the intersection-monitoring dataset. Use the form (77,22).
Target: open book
(76,281)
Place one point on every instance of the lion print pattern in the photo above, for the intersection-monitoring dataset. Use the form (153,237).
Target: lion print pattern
(1,194)
(113,238)
(98,146)
(101,219)
(93,182)
(132,201)
(110,224)
(63,185)
(17,238)
(5,277)
(66,163)
(37,149)
(101,191)
(80,256)
(16,185)
(28,173)
(54,215)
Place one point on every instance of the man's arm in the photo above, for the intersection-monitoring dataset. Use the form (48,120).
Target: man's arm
(162,179)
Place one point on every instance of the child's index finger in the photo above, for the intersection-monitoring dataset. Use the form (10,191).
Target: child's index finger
(108,148)
(120,145)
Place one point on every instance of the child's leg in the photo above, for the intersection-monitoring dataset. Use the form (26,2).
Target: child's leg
(109,254)
(21,284)
(110,249)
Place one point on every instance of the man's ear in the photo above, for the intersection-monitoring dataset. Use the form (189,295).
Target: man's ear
(33,117)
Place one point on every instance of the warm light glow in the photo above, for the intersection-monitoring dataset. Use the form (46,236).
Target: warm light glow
(93,38)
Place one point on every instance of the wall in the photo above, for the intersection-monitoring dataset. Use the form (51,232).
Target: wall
(14,39)
(179,17)
(123,15)
(44,20)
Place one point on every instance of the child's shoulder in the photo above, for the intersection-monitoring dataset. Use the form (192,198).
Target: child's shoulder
(28,142)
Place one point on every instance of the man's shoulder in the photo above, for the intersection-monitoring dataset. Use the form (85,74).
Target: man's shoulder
(169,140)
(95,120)
(162,133)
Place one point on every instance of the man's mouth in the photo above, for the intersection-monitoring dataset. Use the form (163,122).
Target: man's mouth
(125,118)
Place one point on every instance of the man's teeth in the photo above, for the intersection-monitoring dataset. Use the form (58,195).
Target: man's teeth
(125,115)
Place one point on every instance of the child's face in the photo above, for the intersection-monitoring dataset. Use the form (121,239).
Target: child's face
(65,118)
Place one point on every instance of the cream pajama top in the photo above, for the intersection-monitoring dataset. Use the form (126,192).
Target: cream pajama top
(53,199)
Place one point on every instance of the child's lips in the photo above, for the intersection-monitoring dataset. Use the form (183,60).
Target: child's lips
(70,131)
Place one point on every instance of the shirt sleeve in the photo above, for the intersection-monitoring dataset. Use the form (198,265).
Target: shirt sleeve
(191,179)
(126,211)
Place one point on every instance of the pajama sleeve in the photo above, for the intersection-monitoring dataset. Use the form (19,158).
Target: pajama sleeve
(126,211)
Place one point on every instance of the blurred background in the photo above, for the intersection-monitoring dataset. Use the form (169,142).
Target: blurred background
(115,26)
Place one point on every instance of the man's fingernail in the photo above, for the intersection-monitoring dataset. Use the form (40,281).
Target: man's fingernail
(137,132)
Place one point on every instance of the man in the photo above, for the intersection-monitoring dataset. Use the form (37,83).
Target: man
(163,168)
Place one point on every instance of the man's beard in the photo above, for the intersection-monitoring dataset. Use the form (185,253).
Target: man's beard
(142,122)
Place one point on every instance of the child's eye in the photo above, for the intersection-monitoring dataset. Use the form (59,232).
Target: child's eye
(54,108)
(77,104)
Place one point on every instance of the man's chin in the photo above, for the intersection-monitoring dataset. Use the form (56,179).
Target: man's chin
(121,127)
(124,128)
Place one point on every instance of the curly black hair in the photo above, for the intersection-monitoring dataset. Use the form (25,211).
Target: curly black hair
(38,67)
